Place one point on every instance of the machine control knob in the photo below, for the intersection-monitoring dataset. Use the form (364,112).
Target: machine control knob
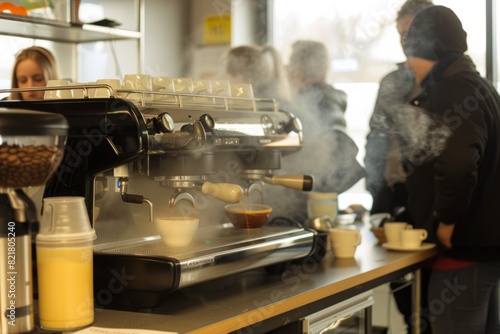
(293,125)
(206,121)
(163,123)
(267,125)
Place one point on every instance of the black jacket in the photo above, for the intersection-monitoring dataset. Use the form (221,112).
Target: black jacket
(455,179)
(392,99)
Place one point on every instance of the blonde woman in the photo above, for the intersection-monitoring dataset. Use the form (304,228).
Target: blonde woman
(33,67)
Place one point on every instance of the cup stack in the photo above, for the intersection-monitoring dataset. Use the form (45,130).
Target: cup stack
(65,265)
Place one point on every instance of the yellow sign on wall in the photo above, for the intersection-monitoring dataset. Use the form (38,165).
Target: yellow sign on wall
(217,29)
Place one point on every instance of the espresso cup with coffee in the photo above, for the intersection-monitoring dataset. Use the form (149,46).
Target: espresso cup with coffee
(413,238)
(345,241)
(393,230)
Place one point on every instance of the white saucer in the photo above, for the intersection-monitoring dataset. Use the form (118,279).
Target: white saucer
(399,247)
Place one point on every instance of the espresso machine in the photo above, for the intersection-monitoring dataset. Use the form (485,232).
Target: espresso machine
(134,159)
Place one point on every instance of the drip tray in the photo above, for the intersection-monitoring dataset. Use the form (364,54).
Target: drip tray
(215,252)
(208,240)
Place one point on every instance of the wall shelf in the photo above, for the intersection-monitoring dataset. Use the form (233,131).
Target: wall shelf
(60,31)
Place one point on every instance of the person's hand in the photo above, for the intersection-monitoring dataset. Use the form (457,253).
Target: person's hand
(444,233)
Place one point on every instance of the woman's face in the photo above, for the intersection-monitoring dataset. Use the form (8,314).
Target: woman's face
(30,74)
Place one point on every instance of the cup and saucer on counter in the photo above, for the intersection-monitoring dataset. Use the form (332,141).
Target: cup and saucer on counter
(402,236)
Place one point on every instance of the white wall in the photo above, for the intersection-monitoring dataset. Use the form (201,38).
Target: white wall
(166,37)
(161,51)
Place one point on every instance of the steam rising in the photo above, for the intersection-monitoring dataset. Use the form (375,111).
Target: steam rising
(419,135)
(328,154)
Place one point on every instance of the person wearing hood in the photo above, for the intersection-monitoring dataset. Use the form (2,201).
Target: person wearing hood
(453,182)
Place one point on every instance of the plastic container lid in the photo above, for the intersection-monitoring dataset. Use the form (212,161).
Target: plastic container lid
(65,239)
(320,195)
(20,122)
(64,221)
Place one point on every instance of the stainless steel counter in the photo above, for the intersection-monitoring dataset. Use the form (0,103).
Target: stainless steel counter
(256,302)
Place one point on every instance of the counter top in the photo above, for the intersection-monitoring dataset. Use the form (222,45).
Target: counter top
(257,301)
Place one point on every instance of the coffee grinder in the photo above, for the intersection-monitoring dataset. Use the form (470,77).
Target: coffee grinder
(31,148)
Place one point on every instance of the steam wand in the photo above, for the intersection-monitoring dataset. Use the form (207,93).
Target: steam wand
(132,198)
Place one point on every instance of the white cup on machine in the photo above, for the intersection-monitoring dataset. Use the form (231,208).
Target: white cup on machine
(54,94)
(115,84)
(184,86)
(393,230)
(163,84)
(203,87)
(243,92)
(221,88)
(138,82)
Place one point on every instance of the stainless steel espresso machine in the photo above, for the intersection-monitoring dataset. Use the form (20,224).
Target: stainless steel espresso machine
(138,154)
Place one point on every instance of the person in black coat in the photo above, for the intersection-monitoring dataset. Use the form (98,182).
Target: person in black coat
(453,176)
(392,131)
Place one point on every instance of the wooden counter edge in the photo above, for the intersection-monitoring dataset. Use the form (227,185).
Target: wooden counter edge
(258,315)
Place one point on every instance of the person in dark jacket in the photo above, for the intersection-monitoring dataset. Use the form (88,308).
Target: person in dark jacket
(453,178)
(392,129)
